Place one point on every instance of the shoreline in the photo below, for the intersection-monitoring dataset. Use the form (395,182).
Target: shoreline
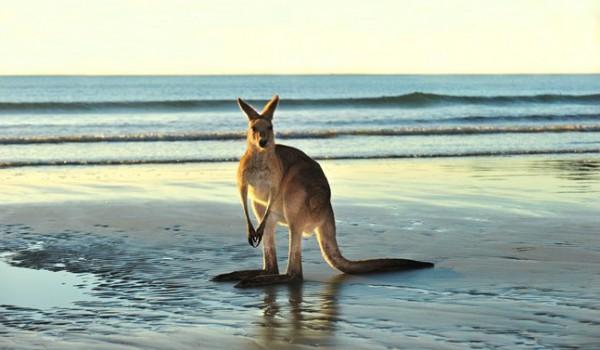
(206,181)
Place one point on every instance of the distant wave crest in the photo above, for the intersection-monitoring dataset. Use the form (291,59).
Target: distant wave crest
(418,99)
(515,118)
(415,99)
(317,134)
(17,164)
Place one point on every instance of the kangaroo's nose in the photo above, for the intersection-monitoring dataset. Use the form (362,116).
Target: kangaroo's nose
(263,142)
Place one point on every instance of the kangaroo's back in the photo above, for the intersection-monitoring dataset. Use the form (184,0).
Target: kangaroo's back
(304,173)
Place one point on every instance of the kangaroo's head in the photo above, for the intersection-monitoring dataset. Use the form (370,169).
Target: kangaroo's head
(260,125)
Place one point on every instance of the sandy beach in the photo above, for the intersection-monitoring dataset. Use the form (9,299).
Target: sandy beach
(120,257)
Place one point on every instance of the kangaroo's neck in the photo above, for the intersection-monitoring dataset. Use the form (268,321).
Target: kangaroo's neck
(260,158)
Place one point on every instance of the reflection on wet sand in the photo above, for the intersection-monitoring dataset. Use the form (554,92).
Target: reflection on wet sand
(301,320)
(567,175)
(572,169)
(581,175)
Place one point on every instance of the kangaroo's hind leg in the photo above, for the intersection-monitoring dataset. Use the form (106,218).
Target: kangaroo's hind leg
(294,269)
(269,252)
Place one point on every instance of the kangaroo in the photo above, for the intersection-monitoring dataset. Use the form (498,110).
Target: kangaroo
(289,188)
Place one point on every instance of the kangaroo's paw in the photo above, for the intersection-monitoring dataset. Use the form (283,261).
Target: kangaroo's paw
(238,275)
(267,280)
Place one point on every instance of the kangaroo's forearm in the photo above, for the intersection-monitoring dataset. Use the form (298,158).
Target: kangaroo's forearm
(272,197)
(244,199)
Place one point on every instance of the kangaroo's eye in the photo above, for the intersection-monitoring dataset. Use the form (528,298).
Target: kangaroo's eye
(254,128)
(270,127)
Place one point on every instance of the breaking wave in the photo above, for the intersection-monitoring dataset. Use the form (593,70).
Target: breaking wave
(17,164)
(316,134)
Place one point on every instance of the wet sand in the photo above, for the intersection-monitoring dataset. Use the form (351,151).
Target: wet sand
(121,257)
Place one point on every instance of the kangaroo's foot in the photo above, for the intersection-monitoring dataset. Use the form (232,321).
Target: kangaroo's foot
(267,280)
(240,275)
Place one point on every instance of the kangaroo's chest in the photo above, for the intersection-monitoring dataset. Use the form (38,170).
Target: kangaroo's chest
(260,179)
(262,175)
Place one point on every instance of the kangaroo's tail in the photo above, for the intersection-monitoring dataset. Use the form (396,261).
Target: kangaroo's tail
(333,256)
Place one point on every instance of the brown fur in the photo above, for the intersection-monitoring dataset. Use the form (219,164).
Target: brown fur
(289,188)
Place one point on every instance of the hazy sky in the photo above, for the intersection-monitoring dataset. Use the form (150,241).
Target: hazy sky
(308,36)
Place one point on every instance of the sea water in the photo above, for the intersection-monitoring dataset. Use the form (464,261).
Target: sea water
(58,120)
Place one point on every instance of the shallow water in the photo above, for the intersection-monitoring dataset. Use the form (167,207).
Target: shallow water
(42,289)
(514,240)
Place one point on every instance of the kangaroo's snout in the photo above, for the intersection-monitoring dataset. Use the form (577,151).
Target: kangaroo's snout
(263,142)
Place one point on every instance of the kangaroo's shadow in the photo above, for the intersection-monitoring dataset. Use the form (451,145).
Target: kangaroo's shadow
(307,317)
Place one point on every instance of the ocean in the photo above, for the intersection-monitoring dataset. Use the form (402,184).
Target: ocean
(70,120)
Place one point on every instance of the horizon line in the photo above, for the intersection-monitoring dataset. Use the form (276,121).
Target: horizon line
(279,74)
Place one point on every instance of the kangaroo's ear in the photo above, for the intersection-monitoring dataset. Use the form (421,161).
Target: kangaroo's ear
(269,109)
(250,112)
